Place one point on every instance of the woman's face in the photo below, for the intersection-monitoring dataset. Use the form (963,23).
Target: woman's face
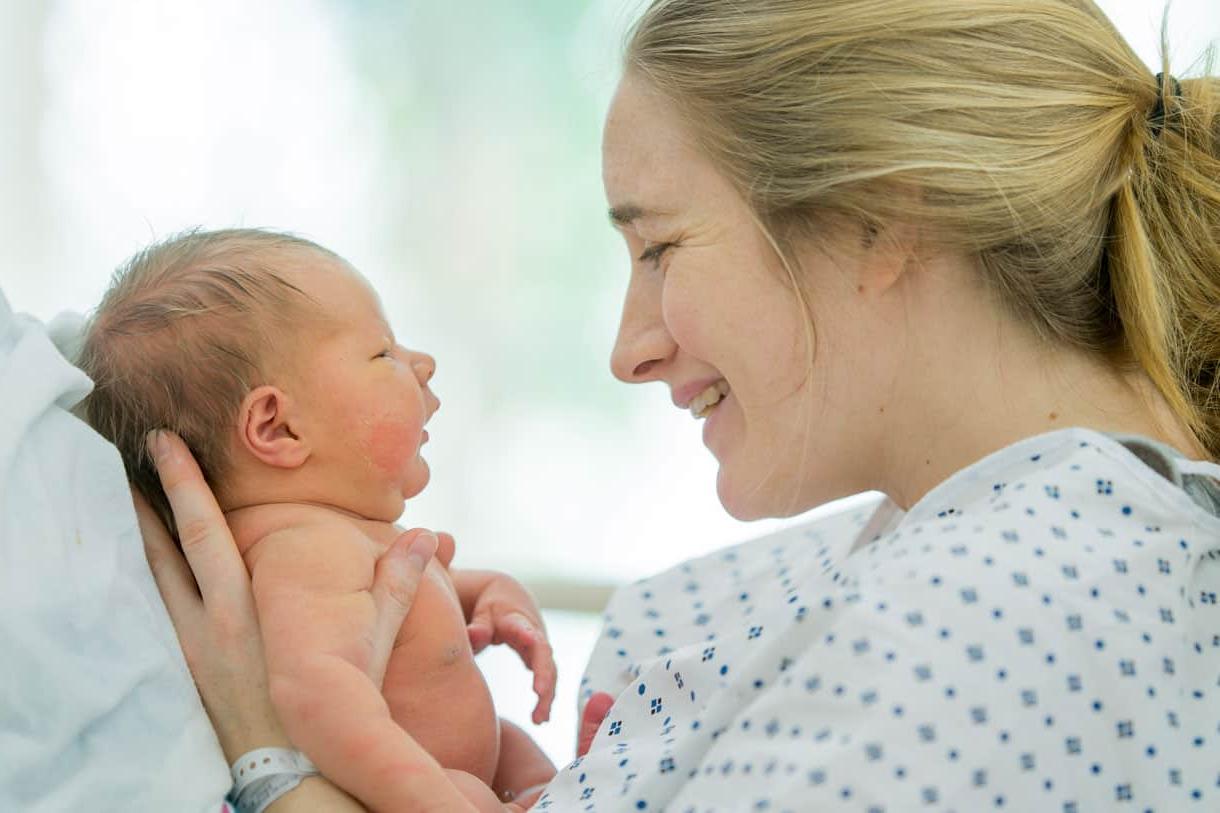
(710,312)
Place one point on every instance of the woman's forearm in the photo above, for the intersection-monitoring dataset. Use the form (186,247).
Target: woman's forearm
(314,794)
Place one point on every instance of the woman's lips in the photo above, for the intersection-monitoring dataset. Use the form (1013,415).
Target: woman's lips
(683,395)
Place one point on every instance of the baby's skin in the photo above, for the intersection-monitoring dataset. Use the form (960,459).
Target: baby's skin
(324,460)
(312,572)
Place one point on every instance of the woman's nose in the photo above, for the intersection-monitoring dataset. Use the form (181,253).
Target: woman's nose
(643,344)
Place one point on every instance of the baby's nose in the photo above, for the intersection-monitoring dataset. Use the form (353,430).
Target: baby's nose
(424,366)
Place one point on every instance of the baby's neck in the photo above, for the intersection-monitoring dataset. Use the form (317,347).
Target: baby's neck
(250,487)
(250,523)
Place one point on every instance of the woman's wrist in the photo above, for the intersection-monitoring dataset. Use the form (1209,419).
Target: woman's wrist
(265,774)
(247,729)
(313,794)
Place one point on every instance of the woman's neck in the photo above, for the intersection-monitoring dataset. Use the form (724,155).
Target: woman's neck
(1000,385)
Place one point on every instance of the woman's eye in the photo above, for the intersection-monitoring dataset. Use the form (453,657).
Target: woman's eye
(384,354)
(654,252)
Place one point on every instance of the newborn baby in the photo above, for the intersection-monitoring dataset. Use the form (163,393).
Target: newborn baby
(272,358)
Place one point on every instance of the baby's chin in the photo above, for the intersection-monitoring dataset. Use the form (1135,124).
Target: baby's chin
(391,499)
(418,476)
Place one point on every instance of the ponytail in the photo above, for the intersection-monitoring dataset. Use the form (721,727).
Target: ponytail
(1163,256)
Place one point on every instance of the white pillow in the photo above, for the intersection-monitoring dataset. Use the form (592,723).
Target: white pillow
(97,708)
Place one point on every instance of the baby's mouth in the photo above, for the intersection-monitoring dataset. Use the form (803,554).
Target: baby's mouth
(707,400)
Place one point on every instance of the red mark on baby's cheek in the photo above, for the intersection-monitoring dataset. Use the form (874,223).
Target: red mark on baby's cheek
(392,444)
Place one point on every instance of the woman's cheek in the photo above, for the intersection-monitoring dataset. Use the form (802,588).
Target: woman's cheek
(685,320)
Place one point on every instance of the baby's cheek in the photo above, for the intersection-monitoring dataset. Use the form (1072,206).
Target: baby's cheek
(392,444)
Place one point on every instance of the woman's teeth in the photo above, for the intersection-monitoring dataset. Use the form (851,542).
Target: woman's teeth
(706,400)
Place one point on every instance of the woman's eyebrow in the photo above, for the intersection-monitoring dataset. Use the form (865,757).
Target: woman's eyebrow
(628,213)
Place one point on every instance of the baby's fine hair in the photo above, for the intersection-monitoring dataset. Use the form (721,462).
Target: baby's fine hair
(182,335)
(1024,133)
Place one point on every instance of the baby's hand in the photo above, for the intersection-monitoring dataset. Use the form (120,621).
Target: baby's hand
(505,613)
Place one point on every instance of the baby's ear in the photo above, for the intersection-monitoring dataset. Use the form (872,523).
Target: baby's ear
(266,424)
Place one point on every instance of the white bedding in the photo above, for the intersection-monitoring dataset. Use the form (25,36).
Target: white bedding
(97,708)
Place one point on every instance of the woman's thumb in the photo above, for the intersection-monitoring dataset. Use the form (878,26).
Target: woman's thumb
(395,581)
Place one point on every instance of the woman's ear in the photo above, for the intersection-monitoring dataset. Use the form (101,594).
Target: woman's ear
(268,424)
(887,253)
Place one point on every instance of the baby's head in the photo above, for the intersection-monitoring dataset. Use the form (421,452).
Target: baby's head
(271,357)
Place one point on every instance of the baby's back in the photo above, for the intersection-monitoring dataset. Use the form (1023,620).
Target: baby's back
(432,685)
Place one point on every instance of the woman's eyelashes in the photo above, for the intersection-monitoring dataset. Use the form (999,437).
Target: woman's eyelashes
(653,252)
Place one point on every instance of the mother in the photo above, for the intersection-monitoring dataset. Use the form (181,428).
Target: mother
(965,253)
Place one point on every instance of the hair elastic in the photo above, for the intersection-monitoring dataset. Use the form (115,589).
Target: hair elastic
(1159,114)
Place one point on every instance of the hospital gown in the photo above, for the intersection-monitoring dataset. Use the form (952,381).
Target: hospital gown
(1040,632)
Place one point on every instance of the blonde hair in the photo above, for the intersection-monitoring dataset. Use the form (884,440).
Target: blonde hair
(1020,131)
(181,336)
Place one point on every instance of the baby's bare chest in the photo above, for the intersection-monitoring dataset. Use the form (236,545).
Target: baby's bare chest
(432,640)
(433,636)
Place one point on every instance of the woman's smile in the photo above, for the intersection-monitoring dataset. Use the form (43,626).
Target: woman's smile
(707,400)
(713,419)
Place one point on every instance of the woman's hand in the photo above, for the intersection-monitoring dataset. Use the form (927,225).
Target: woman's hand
(591,719)
(213,609)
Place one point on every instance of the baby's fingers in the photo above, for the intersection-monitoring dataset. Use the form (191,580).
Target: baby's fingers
(480,633)
(516,629)
(535,650)
(545,676)
(519,633)
(530,643)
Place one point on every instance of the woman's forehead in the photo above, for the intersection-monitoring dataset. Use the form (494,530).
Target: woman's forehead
(648,163)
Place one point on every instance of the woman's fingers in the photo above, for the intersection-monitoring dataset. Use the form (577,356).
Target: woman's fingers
(394,584)
(170,571)
(205,538)
(595,711)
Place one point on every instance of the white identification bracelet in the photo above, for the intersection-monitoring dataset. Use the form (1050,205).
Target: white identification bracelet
(264,775)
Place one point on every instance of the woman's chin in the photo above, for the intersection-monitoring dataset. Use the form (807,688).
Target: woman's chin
(741,504)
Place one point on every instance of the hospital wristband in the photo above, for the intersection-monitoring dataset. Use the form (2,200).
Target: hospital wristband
(264,775)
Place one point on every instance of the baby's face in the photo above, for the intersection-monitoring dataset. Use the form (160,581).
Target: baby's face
(365,399)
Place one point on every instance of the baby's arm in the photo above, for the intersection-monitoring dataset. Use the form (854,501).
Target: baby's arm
(311,589)
(523,766)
